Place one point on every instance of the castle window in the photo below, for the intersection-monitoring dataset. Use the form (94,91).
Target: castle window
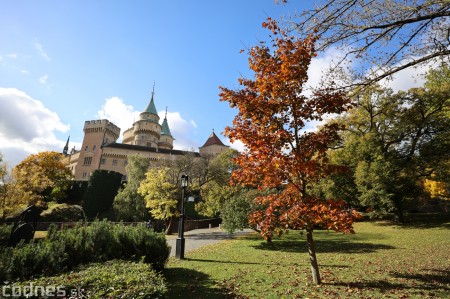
(87,160)
(103,161)
(94,148)
(84,175)
(125,163)
(114,162)
(86,148)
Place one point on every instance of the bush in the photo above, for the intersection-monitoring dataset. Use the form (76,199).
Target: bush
(113,279)
(99,242)
(5,233)
(63,213)
(76,192)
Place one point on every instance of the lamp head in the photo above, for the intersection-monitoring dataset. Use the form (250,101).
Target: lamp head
(184,180)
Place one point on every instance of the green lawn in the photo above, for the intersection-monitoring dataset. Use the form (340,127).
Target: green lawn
(381,260)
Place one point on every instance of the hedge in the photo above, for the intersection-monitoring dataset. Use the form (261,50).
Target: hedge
(64,250)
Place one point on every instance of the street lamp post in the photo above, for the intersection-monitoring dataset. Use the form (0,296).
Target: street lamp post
(179,250)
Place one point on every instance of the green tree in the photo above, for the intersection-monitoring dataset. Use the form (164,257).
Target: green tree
(102,188)
(216,189)
(161,192)
(129,205)
(393,141)
(236,209)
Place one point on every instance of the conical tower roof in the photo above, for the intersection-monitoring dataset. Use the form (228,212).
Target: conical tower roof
(151,108)
(165,127)
(213,139)
(66,147)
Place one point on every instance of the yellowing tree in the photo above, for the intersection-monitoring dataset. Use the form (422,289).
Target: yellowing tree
(436,189)
(42,175)
(161,194)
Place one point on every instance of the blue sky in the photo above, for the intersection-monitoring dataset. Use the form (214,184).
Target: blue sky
(65,62)
(72,61)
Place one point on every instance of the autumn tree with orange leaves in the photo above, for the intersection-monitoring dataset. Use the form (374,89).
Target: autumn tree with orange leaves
(273,111)
(42,175)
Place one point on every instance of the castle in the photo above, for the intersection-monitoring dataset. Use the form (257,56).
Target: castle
(148,138)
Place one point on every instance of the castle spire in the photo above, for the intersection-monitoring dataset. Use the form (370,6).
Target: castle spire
(165,130)
(66,147)
(151,108)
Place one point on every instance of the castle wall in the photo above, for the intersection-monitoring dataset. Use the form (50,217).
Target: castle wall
(213,149)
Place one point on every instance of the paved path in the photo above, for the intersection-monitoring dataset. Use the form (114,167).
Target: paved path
(202,237)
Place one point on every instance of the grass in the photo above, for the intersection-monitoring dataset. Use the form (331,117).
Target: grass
(381,260)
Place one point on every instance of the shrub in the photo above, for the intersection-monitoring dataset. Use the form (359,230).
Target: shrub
(76,192)
(102,188)
(63,213)
(113,279)
(5,233)
(66,249)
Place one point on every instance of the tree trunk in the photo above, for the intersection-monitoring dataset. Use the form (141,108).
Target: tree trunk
(170,226)
(312,257)
(399,216)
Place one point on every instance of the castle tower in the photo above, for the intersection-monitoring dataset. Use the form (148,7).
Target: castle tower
(166,139)
(147,130)
(213,146)
(96,134)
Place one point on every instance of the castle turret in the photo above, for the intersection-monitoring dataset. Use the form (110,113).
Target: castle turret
(147,130)
(213,146)
(166,139)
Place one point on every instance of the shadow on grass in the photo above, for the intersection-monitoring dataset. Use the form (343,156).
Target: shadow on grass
(231,262)
(187,283)
(431,277)
(258,263)
(436,282)
(323,246)
(421,221)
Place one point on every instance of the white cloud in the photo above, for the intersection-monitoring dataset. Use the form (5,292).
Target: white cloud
(116,111)
(408,78)
(193,124)
(26,126)
(41,51)
(12,55)
(237,144)
(25,72)
(43,79)
(403,80)
(321,65)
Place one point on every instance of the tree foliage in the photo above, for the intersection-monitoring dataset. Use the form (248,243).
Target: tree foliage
(393,141)
(437,189)
(280,153)
(102,188)
(7,201)
(216,190)
(386,36)
(161,193)
(42,175)
(129,205)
